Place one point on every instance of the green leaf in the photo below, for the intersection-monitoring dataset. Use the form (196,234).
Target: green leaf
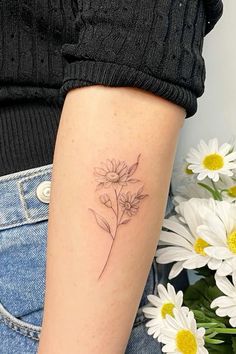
(213,341)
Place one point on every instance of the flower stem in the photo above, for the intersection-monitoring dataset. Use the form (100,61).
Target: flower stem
(113,210)
(210,324)
(117,224)
(217,193)
(117,207)
(225,330)
(112,245)
(121,216)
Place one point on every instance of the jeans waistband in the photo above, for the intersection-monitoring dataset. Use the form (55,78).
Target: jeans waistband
(20,201)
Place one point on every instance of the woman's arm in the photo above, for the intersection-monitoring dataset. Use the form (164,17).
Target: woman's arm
(90,308)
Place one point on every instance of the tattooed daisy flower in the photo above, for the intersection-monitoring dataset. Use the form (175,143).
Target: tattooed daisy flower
(113,173)
(182,243)
(181,335)
(226,304)
(129,203)
(163,304)
(211,160)
(219,231)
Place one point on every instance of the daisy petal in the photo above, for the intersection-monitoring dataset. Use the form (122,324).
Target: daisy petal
(172,254)
(218,252)
(224,285)
(174,239)
(176,269)
(232,321)
(196,261)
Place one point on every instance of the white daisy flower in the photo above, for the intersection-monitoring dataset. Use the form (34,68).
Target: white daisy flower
(163,304)
(209,160)
(219,231)
(228,186)
(183,245)
(185,185)
(189,190)
(181,175)
(226,304)
(181,335)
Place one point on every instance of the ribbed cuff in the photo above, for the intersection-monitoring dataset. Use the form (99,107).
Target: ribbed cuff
(87,73)
(27,134)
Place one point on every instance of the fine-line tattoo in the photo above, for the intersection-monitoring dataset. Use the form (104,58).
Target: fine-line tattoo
(117,175)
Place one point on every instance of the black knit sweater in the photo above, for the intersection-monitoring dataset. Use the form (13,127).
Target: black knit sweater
(48,47)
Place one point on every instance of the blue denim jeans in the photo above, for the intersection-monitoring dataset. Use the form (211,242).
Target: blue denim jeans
(23,234)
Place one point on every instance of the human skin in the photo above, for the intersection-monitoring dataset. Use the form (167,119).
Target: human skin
(88,310)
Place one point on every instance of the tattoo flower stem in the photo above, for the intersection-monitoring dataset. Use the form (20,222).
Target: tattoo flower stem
(117,174)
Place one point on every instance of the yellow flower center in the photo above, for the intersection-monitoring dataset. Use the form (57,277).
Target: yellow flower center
(232,241)
(186,342)
(188,171)
(167,309)
(199,246)
(232,191)
(213,162)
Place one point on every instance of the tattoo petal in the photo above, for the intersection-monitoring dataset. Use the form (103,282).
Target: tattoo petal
(142,196)
(99,171)
(140,191)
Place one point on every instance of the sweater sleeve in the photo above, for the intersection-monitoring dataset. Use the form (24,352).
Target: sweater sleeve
(155,45)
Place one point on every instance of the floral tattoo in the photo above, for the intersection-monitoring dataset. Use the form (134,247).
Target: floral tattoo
(114,176)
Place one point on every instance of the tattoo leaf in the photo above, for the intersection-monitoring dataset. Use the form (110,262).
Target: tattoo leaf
(133,167)
(139,192)
(125,221)
(133,180)
(101,221)
(142,196)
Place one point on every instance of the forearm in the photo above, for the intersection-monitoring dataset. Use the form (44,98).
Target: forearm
(92,294)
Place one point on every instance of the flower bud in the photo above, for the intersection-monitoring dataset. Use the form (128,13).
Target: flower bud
(105,199)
